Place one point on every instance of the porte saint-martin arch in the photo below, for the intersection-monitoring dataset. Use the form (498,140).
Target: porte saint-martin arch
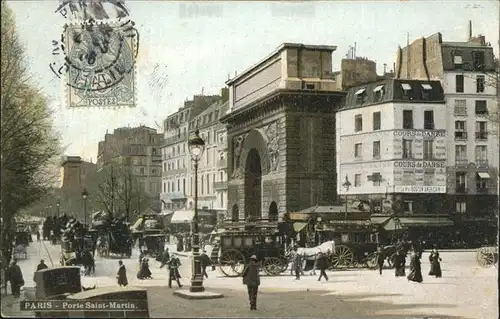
(281,133)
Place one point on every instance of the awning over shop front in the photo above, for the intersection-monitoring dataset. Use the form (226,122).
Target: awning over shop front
(379,220)
(483,175)
(297,227)
(182,216)
(405,222)
(298,216)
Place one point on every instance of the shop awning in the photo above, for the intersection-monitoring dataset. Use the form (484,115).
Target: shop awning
(298,216)
(405,222)
(359,91)
(182,217)
(483,175)
(297,227)
(379,220)
(378,88)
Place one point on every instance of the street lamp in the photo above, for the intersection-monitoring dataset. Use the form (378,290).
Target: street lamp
(58,206)
(346,185)
(84,196)
(196,147)
(397,225)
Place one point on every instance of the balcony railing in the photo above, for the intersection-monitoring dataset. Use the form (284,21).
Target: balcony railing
(482,190)
(482,163)
(481,135)
(460,135)
(460,188)
(460,111)
(461,162)
(220,186)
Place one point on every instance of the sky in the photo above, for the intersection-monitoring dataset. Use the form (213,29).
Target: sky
(197,46)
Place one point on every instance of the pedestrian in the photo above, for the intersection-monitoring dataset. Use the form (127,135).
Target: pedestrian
(165,258)
(41,265)
(415,274)
(297,263)
(173,274)
(251,279)
(435,261)
(380,259)
(15,276)
(399,263)
(122,275)
(37,235)
(146,271)
(322,264)
(205,262)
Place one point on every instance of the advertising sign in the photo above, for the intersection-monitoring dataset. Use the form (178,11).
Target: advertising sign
(411,133)
(419,189)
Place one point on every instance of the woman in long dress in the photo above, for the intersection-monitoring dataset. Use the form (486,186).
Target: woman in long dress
(435,264)
(415,274)
(400,263)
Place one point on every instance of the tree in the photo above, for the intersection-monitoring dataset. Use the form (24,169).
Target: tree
(29,143)
(119,190)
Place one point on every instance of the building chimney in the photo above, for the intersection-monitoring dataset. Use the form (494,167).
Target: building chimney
(470,29)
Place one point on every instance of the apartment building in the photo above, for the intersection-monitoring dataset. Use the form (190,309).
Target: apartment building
(467,72)
(391,145)
(212,172)
(139,149)
(177,167)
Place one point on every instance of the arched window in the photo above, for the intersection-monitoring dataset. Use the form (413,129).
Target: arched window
(273,211)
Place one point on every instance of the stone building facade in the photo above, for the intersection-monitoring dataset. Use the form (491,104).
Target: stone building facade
(281,133)
(203,113)
(467,71)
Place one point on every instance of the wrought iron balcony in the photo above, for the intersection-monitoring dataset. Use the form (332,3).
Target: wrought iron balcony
(220,186)
(460,135)
(483,163)
(482,135)
(461,163)
(460,188)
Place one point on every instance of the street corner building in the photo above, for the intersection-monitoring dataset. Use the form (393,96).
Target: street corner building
(281,133)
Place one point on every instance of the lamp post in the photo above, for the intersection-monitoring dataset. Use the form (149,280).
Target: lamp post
(196,148)
(346,185)
(84,196)
(397,225)
(58,207)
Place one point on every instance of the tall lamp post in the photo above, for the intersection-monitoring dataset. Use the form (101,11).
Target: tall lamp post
(196,148)
(58,204)
(346,185)
(84,196)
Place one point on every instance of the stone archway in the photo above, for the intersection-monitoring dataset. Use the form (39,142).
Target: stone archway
(253,185)
(273,211)
(235,213)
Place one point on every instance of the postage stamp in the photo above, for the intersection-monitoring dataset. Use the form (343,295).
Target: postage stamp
(99,64)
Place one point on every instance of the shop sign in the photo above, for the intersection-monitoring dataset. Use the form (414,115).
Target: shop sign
(419,189)
(420,164)
(411,133)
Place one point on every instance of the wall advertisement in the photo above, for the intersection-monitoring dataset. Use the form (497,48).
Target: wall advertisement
(419,176)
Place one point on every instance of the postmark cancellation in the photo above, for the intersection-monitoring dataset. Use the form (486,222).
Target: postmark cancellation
(100,64)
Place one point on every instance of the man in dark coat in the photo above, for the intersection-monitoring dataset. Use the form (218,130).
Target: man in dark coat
(37,235)
(251,279)
(380,259)
(15,276)
(297,263)
(322,264)
(41,265)
(399,263)
(173,274)
(122,274)
(205,262)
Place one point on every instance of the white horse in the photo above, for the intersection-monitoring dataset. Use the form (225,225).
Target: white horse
(312,253)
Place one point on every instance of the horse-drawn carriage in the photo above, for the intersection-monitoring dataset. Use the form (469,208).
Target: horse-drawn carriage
(154,243)
(146,224)
(115,242)
(232,252)
(77,247)
(487,256)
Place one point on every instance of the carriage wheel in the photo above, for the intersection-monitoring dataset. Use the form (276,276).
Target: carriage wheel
(273,266)
(232,263)
(371,261)
(486,257)
(342,257)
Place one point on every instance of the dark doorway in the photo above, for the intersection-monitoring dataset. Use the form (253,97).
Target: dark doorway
(253,185)
(235,213)
(273,211)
